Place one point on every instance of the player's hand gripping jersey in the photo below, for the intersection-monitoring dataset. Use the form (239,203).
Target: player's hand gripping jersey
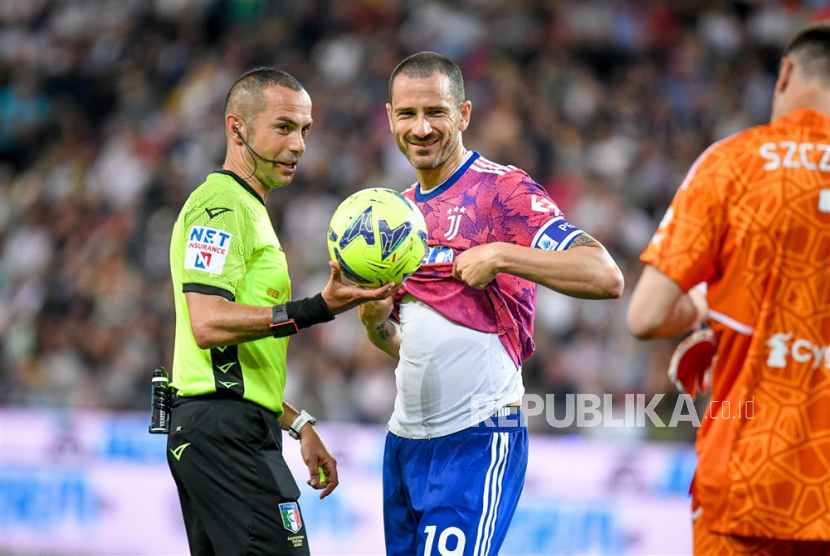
(461,342)
(752,219)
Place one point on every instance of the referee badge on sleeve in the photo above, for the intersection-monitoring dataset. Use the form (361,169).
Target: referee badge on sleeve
(207,249)
(291,519)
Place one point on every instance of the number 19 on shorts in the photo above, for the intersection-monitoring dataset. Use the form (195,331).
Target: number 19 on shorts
(443,540)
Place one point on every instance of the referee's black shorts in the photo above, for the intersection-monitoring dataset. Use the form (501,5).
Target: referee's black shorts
(236,491)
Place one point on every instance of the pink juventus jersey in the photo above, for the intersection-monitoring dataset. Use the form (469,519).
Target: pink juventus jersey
(485,202)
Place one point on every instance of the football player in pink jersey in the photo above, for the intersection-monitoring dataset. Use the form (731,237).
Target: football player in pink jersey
(456,451)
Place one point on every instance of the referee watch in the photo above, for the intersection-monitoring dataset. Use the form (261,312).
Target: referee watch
(303,418)
(281,324)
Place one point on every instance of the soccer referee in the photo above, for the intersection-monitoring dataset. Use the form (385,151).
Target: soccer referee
(233,318)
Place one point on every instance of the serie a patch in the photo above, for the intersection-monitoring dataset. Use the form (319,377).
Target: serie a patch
(207,249)
(438,254)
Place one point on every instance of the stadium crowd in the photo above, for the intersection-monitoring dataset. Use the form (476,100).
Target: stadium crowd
(109,115)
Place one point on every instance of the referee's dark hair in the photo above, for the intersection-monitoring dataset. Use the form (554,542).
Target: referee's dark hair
(246,96)
(423,65)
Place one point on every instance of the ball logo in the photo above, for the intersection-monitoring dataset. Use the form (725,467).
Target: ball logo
(360,226)
(391,238)
(207,249)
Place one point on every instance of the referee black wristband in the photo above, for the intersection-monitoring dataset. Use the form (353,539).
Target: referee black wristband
(309,311)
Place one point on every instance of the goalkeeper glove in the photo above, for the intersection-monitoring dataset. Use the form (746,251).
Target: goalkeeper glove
(691,364)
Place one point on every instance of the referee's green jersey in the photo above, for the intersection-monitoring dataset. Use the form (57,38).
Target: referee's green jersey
(224,244)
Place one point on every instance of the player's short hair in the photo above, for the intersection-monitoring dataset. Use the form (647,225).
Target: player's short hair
(246,96)
(424,64)
(811,48)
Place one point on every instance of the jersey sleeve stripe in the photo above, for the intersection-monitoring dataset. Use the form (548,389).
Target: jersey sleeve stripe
(208,290)
(486,170)
(483,162)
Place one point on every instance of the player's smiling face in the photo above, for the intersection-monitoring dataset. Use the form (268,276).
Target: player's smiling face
(426,120)
(279,133)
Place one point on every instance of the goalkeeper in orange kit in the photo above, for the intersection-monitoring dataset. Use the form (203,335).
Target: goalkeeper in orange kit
(752,221)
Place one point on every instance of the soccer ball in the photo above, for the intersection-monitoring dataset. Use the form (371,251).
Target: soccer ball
(377,236)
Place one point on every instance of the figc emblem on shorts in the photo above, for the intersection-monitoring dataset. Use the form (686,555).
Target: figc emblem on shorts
(291,519)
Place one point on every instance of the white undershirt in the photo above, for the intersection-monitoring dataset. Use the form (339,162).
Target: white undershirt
(449,377)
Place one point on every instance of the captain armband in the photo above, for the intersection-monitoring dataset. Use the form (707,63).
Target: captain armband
(556,235)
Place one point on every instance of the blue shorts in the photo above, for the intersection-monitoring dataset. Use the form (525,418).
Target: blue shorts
(455,494)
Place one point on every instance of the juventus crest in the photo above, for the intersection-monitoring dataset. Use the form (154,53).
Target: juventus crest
(454,215)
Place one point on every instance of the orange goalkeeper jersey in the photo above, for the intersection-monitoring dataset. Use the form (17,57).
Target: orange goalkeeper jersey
(752,219)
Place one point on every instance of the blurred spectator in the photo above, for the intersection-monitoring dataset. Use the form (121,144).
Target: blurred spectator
(108,116)
(24,111)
